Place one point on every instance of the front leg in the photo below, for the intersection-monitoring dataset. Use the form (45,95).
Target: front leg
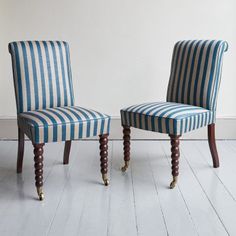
(175,154)
(103,140)
(38,165)
(126,147)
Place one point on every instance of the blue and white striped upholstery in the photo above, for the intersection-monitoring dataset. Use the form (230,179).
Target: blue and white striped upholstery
(196,72)
(42,74)
(44,94)
(63,123)
(192,91)
(166,117)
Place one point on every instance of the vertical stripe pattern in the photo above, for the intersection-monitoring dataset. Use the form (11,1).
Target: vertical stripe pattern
(63,123)
(192,91)
(44,94)
(196,72)
(42,74)
(167,117)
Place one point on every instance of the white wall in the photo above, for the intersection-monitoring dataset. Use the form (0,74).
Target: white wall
(120,49)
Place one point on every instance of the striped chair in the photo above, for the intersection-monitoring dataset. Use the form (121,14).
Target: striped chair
(191,99)
(45,104)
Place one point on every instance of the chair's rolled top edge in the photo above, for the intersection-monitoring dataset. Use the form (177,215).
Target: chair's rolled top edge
(222,43)
(26,41)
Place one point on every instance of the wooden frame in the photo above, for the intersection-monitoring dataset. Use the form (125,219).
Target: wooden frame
(175,153)
(38,159)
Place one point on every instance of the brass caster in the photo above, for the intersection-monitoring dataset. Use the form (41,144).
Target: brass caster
(105,180)
(174,182)
(40,193)
(125,167)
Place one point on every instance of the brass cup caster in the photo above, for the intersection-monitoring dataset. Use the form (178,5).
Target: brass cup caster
(105,180)
(174,182)
(40,193)
(125,167)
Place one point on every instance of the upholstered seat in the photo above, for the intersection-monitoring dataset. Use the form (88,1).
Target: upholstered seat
(167,117)
(63,123)
(191,99)
(46,110)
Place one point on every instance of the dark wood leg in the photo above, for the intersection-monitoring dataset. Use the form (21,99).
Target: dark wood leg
(212,145)
(126,148)
(66,152)
(20,154)
(103,140)
(38,165)
(174,159)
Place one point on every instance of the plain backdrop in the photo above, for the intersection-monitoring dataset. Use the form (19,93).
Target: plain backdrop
(120,49)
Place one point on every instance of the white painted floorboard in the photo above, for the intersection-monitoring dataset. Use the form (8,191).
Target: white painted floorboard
(137,202)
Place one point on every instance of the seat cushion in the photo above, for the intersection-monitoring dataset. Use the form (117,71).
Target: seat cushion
(63,123)
(166,117)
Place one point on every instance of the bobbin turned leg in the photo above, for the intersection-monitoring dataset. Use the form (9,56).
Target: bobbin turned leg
(126,143)
(175,159)
(104,157)
(38,160)
(212,145)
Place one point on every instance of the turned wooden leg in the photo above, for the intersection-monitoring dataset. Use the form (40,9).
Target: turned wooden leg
(126,148)
(66,152)
(20,154)
(174,159)
(104,157)
(38,165)
(212,145)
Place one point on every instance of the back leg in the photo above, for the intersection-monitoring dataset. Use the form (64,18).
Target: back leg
(67,152)
(20,154)
(212,145)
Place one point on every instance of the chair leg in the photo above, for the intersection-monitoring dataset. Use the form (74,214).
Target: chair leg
(20,154)
(103,140)
(212,145)
(126,143)
(175,159)
(38,165)
(67,152)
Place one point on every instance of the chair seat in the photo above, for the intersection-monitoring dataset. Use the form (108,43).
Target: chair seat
(63,123)
(166,117)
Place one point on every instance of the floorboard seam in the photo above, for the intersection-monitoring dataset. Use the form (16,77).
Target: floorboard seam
(215,173)
(84,200)
(135,210)
(185,203)
(206,194)
(156,189)
(56,210)
(110,190)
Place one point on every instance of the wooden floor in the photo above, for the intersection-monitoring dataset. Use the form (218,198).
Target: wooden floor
(138,202)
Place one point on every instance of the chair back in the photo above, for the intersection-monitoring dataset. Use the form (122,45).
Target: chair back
(196,72)
(42,74)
